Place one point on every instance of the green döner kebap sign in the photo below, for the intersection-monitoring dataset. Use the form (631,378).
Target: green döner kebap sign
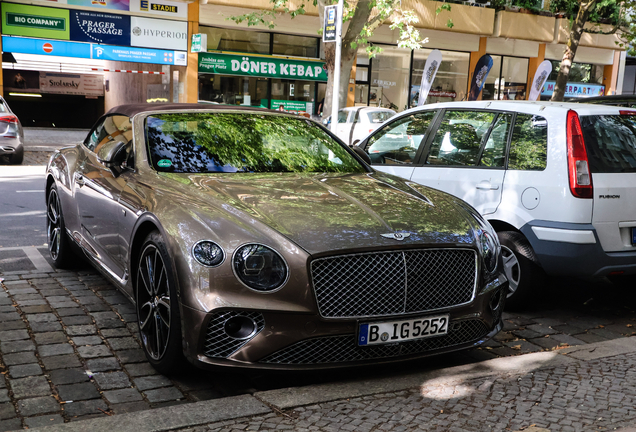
(262,66)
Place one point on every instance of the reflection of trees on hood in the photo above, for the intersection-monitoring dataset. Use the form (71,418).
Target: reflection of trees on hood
(230,142)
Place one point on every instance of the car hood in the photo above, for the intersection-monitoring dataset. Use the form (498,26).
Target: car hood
(325,212)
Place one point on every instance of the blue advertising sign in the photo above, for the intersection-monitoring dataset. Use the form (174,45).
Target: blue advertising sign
(139,55)
(45,47)
(98,27)
(482,68)
(574,90)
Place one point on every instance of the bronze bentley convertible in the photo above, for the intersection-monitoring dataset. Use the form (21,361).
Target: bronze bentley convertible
(252,238)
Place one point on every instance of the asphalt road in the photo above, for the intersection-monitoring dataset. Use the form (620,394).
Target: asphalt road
(22,206)
(47,139)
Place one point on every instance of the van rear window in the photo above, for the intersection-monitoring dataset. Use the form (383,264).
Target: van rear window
(610,141)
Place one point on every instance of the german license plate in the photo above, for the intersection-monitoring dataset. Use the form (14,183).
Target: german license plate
(398,331)
(634,236)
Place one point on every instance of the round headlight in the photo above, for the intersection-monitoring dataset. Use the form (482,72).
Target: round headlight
(259,267)
(208,253)
(489,251)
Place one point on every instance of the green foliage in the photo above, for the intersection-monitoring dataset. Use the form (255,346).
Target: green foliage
(604,11)
(533,5)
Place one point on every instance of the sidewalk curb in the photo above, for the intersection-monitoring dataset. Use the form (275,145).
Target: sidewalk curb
(217,410)
(174,417)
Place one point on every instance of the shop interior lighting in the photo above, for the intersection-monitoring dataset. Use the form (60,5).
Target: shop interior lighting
(25,94)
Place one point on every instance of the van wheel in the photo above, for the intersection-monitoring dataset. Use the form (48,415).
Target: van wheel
(525,277)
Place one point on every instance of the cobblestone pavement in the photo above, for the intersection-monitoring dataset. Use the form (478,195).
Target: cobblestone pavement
(587,396)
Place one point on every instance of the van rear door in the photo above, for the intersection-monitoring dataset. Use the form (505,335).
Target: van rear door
(610,141)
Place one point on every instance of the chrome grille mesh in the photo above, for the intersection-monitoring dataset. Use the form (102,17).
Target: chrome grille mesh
(338,349)
(218,343)
(390,283)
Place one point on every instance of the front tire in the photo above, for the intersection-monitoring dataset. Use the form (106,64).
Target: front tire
(158,307)
(525,277)
(59,244)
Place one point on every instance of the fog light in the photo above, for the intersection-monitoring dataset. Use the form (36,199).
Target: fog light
(240,327)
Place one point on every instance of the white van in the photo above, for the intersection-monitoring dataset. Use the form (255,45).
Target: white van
(557,181)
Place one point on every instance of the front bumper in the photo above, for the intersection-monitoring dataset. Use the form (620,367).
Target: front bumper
(294,341)
(564,258)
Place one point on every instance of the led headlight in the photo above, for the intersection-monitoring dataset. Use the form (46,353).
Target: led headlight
(489,250)
(208,253)
(259,267)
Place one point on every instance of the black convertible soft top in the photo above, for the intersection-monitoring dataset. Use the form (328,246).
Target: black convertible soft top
(132,109)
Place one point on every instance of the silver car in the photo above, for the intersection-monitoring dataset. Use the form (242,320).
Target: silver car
(11,135)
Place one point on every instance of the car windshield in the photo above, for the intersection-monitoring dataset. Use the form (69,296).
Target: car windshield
(206,142)
(379,116)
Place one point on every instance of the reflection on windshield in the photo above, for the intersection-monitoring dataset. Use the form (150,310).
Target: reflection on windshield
(241,142)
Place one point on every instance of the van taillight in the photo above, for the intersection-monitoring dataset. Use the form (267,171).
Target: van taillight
(579,168)
(627,113)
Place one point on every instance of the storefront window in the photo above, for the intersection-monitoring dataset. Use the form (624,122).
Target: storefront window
(233,90)
(236,40)
(390,71)
(296,46)
(450,82)
(579,73)
(507,79)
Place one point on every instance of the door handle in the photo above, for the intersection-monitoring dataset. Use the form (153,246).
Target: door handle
(487,186)
(79,179)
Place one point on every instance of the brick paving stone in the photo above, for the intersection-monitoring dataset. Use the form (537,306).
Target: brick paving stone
(567,339)
(25,297)
(163,394)
(61,362)
(77,320)
(523,346)
(131,356)
(152,382)
(30,302)
(4,395)
(541,329)
(39,405)
(55,349)
(81,330)
(43,420)
(39,327)
(11,424)
(24,370)
(12,325)
(82,408)
(9,316)
(68,376)
(122,395)
(545,342)
(7,410)
(568,329)
(111,380)
(112,323)
(12,335)
(70,312)
(43,317)
(505,351)
(140,369)
(119,344)
(87,340)
(91,299)
(129,317)
(65,305)
(103,364)
(130,407)
(58,299)
(590,337)
(97,307)
(48,338)
(16,346)
(30,387)
(116,332)
(19,358)
(94,351)
(526,333)
(75,392)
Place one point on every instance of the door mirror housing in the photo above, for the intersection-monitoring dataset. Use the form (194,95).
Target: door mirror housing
(363,155)
(112,153)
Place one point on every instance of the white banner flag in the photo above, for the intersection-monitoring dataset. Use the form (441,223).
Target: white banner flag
(428,74)
(543,71)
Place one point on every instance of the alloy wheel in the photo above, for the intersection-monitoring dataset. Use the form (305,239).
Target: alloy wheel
(54,224)
(511,268)
(153,302)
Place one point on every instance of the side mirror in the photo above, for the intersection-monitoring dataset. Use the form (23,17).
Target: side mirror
(363,155)
(112,152)
(355,143)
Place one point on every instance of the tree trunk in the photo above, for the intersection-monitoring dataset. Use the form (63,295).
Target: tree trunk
(570,49)
(348,56)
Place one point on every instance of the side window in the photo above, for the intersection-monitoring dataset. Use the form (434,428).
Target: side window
(95,136)
(494,154)
(397,143)
(529,144)
(459,137)
(342,116)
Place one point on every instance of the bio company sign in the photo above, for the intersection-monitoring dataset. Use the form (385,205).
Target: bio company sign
(262,66)
(35,21)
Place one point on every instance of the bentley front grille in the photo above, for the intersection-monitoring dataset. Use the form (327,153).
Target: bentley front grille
(393,283)
(341,349)
(218,343)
